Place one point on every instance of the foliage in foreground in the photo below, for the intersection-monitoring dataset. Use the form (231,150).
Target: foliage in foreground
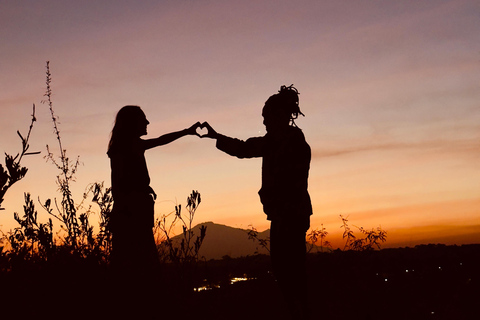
(15,172)
(316,238)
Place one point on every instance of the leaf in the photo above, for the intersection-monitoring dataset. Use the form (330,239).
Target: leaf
(3,176)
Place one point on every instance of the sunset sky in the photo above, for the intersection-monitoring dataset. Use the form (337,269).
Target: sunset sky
(390,91)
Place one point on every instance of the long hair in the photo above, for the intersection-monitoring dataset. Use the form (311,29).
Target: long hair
(286,102)
(123,127)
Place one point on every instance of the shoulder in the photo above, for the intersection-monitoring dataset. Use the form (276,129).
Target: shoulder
(296,139)
(295,133)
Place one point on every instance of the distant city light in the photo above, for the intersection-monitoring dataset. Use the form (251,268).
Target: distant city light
(236,279)
(211,287)
(239,279)
(206,288)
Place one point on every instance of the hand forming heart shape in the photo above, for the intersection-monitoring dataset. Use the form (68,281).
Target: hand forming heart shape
(204,130)
(201,131)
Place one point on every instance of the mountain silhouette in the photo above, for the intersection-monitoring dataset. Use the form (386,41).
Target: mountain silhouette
(221,241)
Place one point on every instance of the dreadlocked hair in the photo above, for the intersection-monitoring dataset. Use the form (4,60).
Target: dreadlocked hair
(286,101)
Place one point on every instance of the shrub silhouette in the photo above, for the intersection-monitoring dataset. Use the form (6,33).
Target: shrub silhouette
(187,250)
(66,212)
(15,172)
(31,238)
(318,234)
(373,238)
(253,235)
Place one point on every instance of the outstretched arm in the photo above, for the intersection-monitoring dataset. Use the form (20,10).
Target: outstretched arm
(170,137)
(251,148)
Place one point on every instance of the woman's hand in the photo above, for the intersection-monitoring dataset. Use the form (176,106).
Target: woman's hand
(211,133)
(193,129)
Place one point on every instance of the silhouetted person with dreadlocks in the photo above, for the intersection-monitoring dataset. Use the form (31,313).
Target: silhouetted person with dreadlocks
(286,202)
(134,255)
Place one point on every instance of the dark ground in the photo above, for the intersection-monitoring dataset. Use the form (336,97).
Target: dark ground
(442,282)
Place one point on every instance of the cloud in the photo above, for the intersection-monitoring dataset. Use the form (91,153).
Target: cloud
(464,146)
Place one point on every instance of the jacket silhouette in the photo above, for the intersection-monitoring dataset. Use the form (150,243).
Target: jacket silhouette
(285,165)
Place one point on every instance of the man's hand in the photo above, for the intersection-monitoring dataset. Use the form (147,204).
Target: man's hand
(211,133)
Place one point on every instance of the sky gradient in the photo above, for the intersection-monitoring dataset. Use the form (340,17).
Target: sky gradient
(390,90)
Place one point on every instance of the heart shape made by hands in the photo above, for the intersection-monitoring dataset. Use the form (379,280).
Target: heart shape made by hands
(202,131)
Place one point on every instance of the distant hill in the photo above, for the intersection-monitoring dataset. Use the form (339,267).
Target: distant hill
(221,240)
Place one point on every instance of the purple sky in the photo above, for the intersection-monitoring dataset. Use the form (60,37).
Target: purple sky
(390,90)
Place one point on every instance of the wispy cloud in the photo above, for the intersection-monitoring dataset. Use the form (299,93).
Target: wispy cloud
(464,146)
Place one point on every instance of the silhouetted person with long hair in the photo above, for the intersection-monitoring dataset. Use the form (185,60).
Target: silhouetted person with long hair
(134,256)
(284,195)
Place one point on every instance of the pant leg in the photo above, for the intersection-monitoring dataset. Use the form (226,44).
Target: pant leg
(288,255)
